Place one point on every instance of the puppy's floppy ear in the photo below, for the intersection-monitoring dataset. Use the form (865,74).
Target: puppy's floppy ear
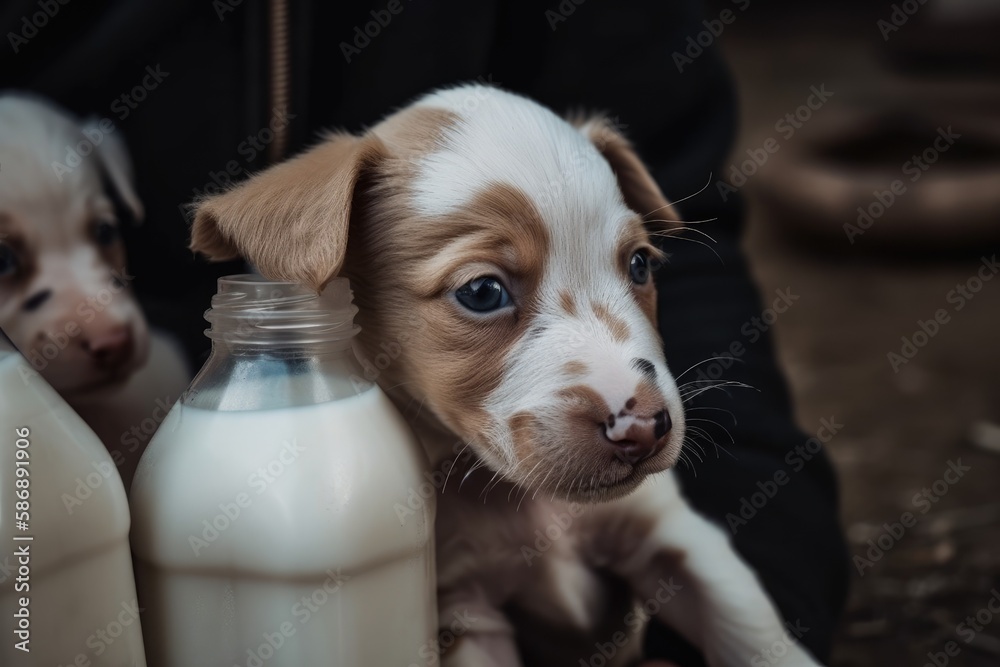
(640,191)
(115,163)
(291,220)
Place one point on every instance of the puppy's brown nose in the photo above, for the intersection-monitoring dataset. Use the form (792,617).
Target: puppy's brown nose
(111,348)
(636,438)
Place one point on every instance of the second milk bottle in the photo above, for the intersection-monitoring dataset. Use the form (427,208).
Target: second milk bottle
(264,524)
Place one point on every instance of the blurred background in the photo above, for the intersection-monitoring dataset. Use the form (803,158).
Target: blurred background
(897,74)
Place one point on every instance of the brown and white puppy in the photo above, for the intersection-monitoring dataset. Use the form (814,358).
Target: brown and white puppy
(65,298)
(511,251)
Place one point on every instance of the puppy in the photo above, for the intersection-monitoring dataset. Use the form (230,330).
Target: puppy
(511,250)
(65,294)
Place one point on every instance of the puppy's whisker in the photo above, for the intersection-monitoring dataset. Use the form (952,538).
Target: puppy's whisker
(707,436)
(700,433)
(712,407)
(704,187)
(681,238)
(698,231)
(495,481)
(693,452)
(703,361)
(527,480)
(444,486)
(694,443)
(714,423)
(541,486)
(400,384)
(685,397)
(671,232)
(475,466)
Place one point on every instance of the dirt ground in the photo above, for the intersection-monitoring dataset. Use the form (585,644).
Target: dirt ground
(905,433)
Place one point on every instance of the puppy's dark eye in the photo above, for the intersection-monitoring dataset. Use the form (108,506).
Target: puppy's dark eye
(483,295)
(8,260)
(639,268)
(106,233)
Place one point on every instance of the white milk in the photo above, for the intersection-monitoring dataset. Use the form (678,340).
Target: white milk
(77,576)
(284,536)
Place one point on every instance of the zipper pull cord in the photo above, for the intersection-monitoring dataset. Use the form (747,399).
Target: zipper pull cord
(280,76)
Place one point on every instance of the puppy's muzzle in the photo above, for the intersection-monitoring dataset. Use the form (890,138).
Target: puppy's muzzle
(635,438)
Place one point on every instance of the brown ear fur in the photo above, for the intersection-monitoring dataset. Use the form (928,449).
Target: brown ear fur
(641,192)
(291,220)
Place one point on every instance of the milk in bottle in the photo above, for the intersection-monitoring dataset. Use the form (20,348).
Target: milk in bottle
(267,530)
(67,595)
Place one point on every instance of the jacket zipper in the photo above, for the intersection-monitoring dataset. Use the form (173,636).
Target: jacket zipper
(280,76)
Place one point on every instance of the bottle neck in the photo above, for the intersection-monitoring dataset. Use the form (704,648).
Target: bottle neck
(277,345)
(270,379)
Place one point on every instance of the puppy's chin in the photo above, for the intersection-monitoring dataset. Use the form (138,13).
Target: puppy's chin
(601,479)
(94,386)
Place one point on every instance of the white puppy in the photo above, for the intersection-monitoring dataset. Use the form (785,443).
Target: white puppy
(503,255)
(65,293)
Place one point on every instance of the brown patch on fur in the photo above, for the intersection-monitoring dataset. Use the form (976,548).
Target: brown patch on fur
(586,402)
(575,368)
(567,302)
(522,429)
(647,399)
(635,237)
(640,191)
(519,246)
(418,129)
(617,327)
(291,220)
(647,302)
(454,359)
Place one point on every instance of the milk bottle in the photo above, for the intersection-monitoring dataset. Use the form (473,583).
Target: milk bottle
(67,596)
(268,529)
